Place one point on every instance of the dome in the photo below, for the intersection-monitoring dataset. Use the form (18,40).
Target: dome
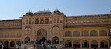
(47,11)
(42,13)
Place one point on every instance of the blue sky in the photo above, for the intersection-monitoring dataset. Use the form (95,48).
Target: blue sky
(13,9)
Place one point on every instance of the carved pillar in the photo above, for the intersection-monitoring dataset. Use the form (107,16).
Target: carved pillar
(9,43)
(72,43)
(64,43)
(89,44)
(3,42)
(80,34)
(80,44)
(15,42)
(89,33)
(108,44)
(39,20)
(98,44)
(44,20)
(98,32)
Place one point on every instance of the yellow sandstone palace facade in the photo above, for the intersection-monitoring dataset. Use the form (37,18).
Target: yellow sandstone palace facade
(87,31)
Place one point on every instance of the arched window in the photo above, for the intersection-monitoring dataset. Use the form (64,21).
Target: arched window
(104,44)
(93,33)
(76,33)
(46,20)
(68,34)
(85,44)
(103,33)
(27,29)
(1,35)
(85,33)
(94,44)
(41,20)
(37,21)
(29,20)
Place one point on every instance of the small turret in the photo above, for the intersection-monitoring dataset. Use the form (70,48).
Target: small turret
(29,13)
(57,12)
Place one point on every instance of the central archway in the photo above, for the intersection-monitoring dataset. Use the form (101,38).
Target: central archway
(55,40)
(27,39)
(41,35)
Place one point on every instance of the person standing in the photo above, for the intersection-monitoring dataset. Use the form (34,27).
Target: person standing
(17,46)
(34,46)
(2,46)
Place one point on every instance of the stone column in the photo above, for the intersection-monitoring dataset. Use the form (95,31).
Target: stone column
(72,43)
(15,42)
(89,44)
(89,33)
(9,43)
(80,44)
(98,32)
(80,33)
(98,44)
(44,20)
(64,42)
(3,42)
(39,20)
(108,44)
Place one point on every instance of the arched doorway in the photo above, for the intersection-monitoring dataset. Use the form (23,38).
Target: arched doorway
(55,40)
(94,44)
(68,43)
(104,44)
(12,44)
(85,44)
(27,40)
(41,36)
(6,43)
(19,43)
(76,44)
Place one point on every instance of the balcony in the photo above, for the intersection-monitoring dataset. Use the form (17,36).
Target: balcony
(88,37)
